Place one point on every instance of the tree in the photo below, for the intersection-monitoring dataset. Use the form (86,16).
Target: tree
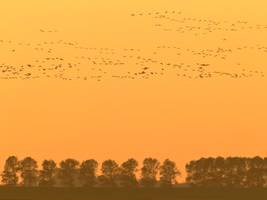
(110,171)
(127,175)
(256,172)
(220,168)
(47,174)
(231,172)
(235,172)
(207,172)
(191,173)
(88,172)
(9,175)
(29,172)
(67,172)
(210,172)
(168,173)
(149,172)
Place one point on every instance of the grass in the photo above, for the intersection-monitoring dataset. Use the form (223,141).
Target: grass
(20,193)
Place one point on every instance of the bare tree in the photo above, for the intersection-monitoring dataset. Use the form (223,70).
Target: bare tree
(168,173)
(67,172)
(110,171)
(9,175)
(29,172)
(88,173)
(127,175)
(149,172)
(48,173)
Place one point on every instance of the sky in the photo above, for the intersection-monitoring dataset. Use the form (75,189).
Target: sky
(168,117)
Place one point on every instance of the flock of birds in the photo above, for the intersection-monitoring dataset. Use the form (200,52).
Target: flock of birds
(68,60)
(175,21)
(48,31)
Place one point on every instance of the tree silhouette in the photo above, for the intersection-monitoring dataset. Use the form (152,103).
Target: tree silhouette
(207,172)
(257,171)
(168,173)
(127,175)
(231,172)
(110,171)
(48,173)
(218,172)
(235,172)
(29,172)
(88,173)
(149,172)
(68,171)
(9,175)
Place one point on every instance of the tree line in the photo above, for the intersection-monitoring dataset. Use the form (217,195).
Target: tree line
(71,173)
(234,172)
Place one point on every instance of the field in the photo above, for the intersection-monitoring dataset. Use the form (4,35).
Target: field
(130,194)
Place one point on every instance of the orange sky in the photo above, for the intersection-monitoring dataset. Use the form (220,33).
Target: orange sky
(172,118)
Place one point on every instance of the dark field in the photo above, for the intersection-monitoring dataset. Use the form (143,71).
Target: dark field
(128,194)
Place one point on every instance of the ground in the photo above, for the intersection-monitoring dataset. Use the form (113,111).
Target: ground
(134,194)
